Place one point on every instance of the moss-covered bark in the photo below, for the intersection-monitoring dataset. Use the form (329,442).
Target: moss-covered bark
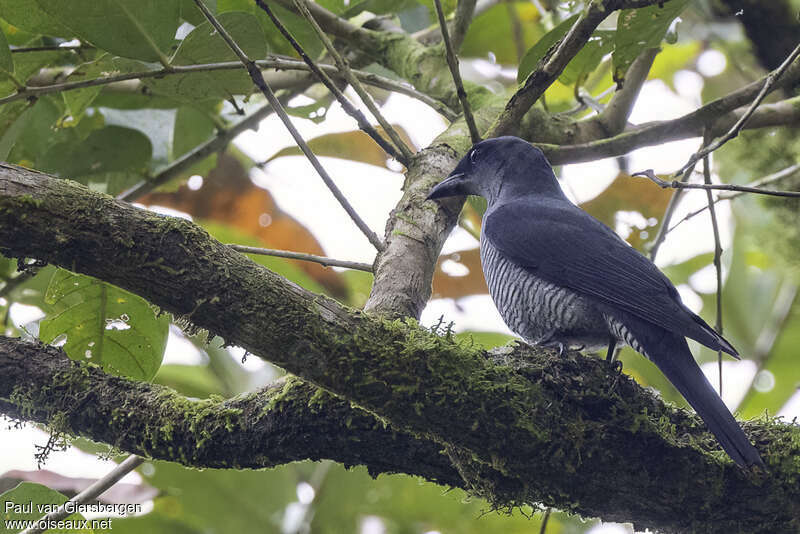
(529,427)
(289,421)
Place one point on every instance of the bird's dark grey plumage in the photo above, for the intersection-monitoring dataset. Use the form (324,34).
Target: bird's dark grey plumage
(560,277)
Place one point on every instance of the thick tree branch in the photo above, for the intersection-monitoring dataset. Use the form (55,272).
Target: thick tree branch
(578,438)
(288,421)
(655,133)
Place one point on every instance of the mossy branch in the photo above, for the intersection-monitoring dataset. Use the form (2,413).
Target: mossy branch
(526,427)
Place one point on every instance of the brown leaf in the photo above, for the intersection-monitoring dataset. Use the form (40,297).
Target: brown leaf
(630,194)
(354,145)
(228,196)
(472,283)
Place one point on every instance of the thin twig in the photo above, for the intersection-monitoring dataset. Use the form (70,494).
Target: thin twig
(322,260)
(770,80)
(344,67)
(774,177)
(452,62)
(351,110)
(717,256)
(675,184)
(276,62)
(258,80)
(89,494)
(668,213)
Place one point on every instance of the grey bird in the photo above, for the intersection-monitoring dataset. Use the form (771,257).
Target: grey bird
(561,278)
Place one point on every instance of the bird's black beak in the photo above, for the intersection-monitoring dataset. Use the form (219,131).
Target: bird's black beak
(451,186)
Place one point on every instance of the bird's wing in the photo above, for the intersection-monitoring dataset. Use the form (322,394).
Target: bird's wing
(566,246)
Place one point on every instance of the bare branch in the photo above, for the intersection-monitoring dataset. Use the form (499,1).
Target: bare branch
(344,67)
(258,79)
(616,114)
(551,66)
(276,62)
(452,62)
(674,184)
(717,256)
(656,133)
(770,80)
(783,173)
(89,494)
(322,260)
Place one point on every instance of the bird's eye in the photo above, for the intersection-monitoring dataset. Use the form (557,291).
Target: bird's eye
(473,156)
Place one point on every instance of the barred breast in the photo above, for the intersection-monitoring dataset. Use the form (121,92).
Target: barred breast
(540,312)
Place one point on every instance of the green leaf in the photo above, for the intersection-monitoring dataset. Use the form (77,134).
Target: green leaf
(29,502)
(297,26)
(6,62)
(539,50)
(108,149)
(139,29)
(13,120)
(204,45)
(192,14)
(191,380)
(39,132)
(105,325)
(79,100)
(490,33)
(487,340)
(586,60)
(29,16)
(223,500)
(25,66)
(192,127)
(639,29)
(408,504)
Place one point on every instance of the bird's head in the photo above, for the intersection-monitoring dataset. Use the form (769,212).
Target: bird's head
(500,168)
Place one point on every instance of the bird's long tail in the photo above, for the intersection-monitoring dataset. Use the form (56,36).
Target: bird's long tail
(671,354)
